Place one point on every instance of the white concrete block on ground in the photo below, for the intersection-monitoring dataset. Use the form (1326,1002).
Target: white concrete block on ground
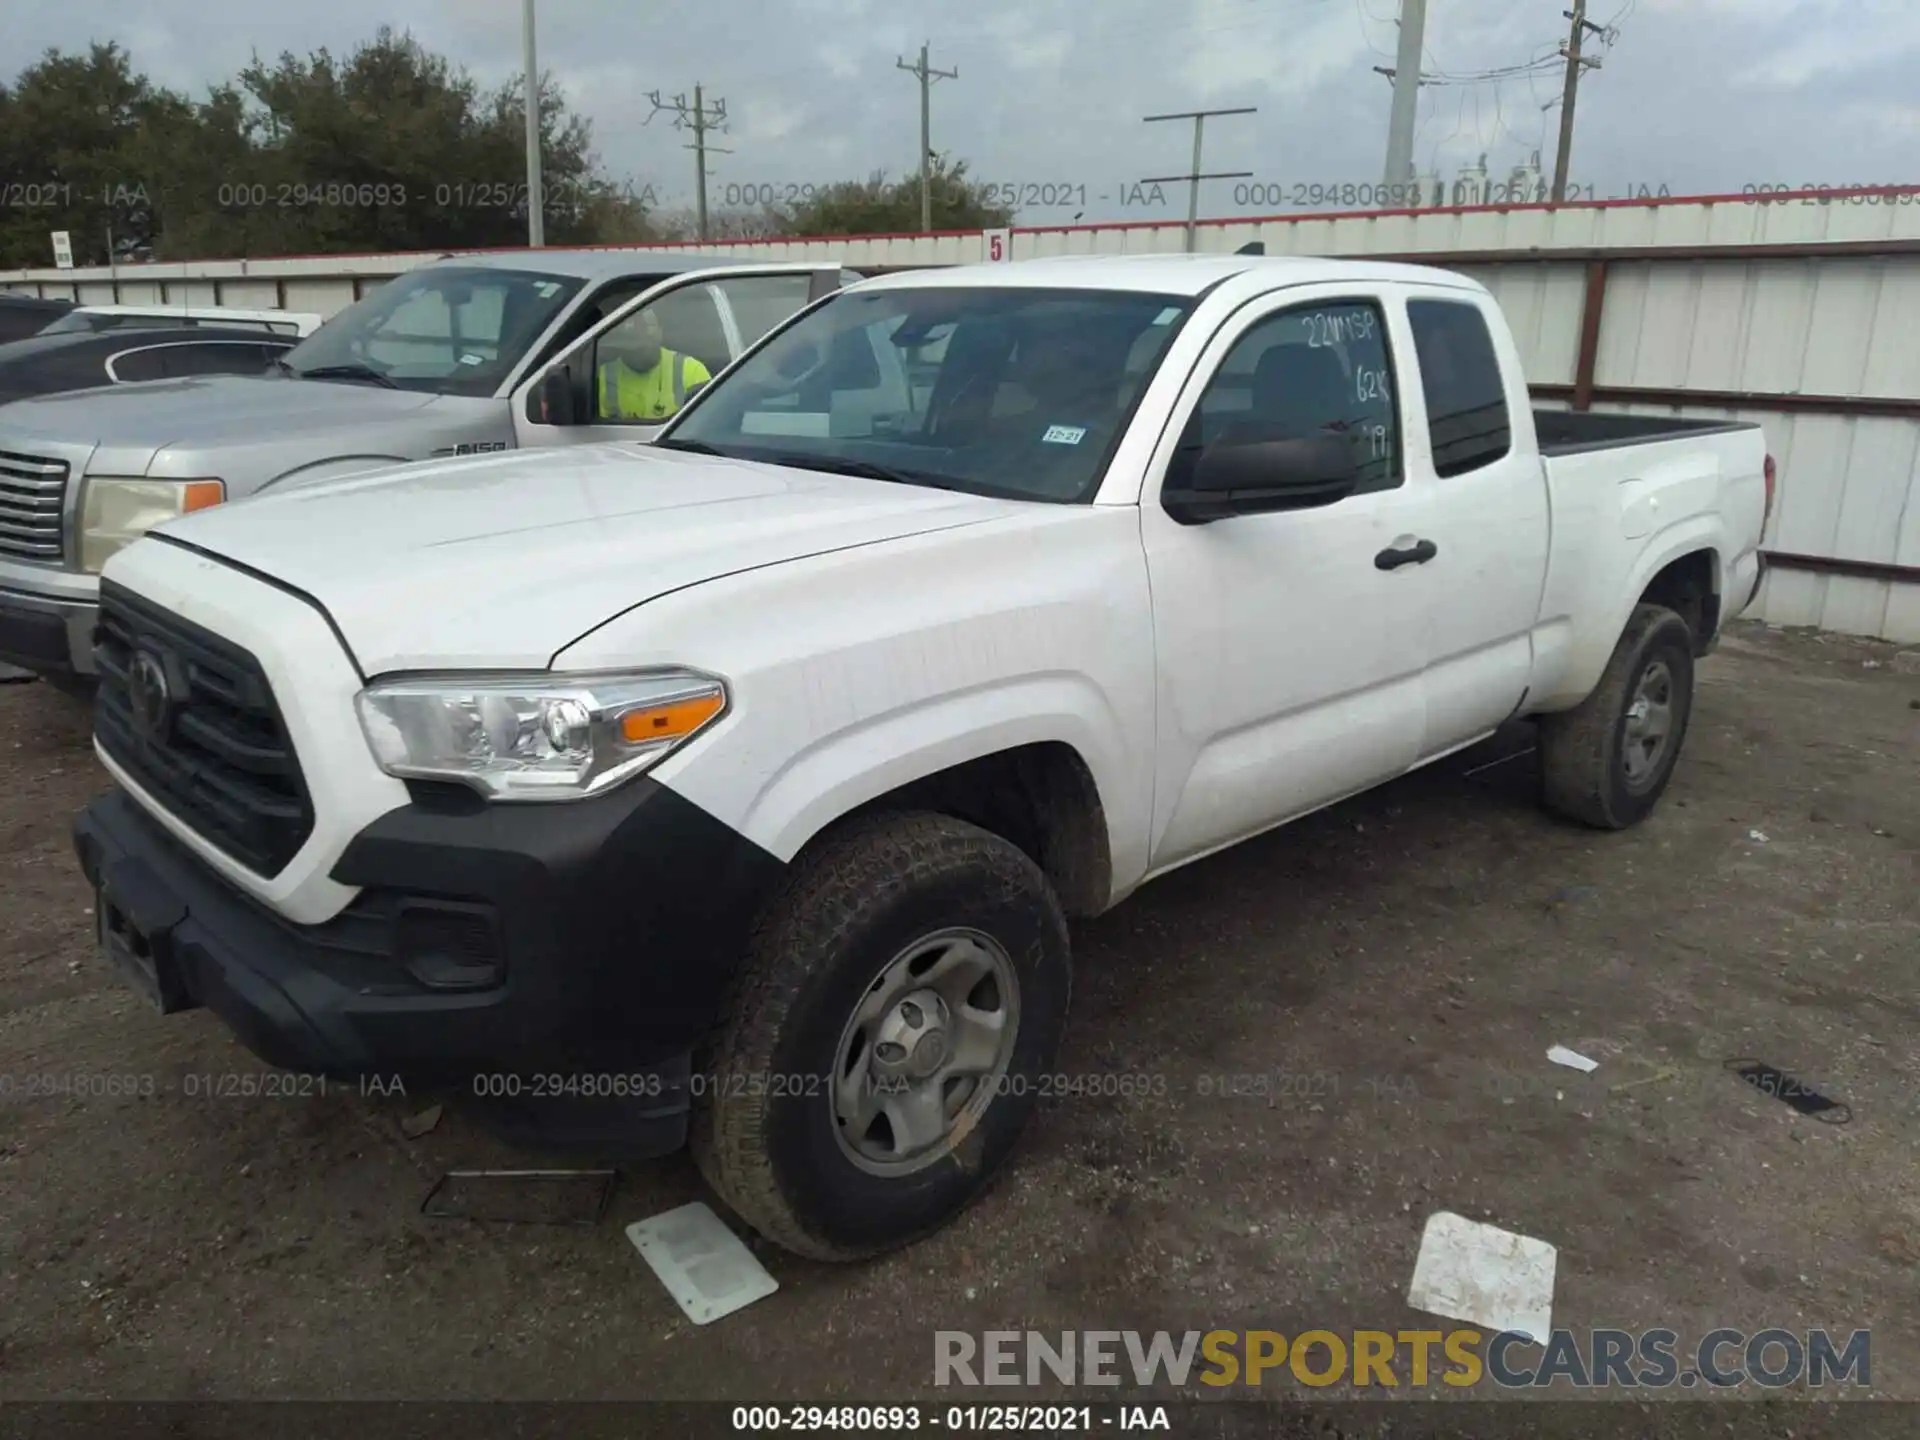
(1484,1275)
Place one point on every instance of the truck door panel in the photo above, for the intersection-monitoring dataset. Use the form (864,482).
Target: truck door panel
(1286,672)
(1489,520)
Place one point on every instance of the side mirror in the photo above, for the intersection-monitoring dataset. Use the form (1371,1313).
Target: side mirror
(555,398)
(1243,473)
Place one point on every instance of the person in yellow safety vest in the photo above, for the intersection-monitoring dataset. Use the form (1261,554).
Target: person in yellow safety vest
(644,380)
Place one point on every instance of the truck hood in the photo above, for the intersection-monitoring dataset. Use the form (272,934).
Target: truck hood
(504,561)
(213,409)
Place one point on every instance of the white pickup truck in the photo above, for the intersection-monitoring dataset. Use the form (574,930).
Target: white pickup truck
(738,787)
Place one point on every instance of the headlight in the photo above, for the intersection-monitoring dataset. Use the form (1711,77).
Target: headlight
(536,737)
(117,512)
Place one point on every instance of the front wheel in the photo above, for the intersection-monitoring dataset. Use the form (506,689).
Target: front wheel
(1607,761)
(899,1005)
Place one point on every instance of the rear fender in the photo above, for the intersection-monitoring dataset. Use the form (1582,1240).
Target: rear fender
(1587,648)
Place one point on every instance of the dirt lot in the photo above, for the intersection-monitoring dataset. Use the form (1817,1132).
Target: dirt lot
(1396,968)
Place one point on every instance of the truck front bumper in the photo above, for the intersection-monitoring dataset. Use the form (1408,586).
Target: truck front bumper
(560,960)
(47,634)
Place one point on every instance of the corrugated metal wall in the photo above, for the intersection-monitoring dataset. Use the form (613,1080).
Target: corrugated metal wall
(1850,483)
(1799,313)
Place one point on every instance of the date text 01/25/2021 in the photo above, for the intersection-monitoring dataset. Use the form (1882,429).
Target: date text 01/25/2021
(193,1085)
(1034,1419)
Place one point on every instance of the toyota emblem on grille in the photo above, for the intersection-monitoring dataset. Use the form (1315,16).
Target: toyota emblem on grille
(149,697)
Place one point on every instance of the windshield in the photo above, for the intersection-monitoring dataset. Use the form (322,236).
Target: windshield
(448,330)
(1014,391)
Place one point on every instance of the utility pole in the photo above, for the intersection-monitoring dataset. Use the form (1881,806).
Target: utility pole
(700,117)
(1576,62)
(536,198)
(926,75)
(1406,91)
(1194,176)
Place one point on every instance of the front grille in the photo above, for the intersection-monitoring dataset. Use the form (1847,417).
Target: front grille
(212,748)
(33,491)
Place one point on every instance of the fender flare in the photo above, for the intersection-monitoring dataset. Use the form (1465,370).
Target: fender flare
(838,772)
(1592,650)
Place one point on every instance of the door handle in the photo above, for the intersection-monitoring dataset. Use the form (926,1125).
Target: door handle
(1413,555)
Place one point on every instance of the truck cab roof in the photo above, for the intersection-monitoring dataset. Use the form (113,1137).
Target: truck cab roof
(1171,274)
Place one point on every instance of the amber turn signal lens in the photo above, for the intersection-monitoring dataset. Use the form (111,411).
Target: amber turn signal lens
(199,494)
(669,722)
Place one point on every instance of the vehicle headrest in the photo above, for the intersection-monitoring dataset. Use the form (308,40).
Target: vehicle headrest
(1300,381)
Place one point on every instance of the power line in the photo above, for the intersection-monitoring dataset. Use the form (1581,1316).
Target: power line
(1622,13)
(1538,65)
(926,75)
(1366,35)
(700,117)
(1404,128)
(1459,124)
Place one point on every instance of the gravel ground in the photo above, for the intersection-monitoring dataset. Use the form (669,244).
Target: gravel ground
(1390,973)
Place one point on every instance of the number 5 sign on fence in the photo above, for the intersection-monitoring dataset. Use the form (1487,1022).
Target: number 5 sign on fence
(997,245)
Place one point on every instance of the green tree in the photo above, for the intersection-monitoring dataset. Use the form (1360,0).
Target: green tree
(879,206)
(72,155)
(395,148)
(389,148)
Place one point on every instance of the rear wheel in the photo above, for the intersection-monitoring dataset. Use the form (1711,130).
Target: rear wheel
(882,1052)
(1606,762)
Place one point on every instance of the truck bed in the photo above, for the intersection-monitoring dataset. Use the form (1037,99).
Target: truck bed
(1570,432)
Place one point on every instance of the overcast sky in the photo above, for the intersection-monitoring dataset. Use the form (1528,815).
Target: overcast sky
(1698,95)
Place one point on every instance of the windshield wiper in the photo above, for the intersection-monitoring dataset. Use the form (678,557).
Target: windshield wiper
(691,447)
(345,372)
(862,470)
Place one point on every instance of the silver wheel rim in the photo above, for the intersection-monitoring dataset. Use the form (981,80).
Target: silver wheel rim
(1649,726)
(924,1051)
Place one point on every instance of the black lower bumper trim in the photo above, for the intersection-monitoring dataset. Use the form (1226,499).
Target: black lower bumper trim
(34,639)
(612,928)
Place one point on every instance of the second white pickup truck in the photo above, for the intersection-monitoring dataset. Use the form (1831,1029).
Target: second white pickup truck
(739,787)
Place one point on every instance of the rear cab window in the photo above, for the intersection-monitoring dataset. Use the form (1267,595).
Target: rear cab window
(1465,389)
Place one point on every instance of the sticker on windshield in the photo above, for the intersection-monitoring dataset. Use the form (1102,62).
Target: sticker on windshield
(472,359)
(1167,316)
(547,288)
(1064,435)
